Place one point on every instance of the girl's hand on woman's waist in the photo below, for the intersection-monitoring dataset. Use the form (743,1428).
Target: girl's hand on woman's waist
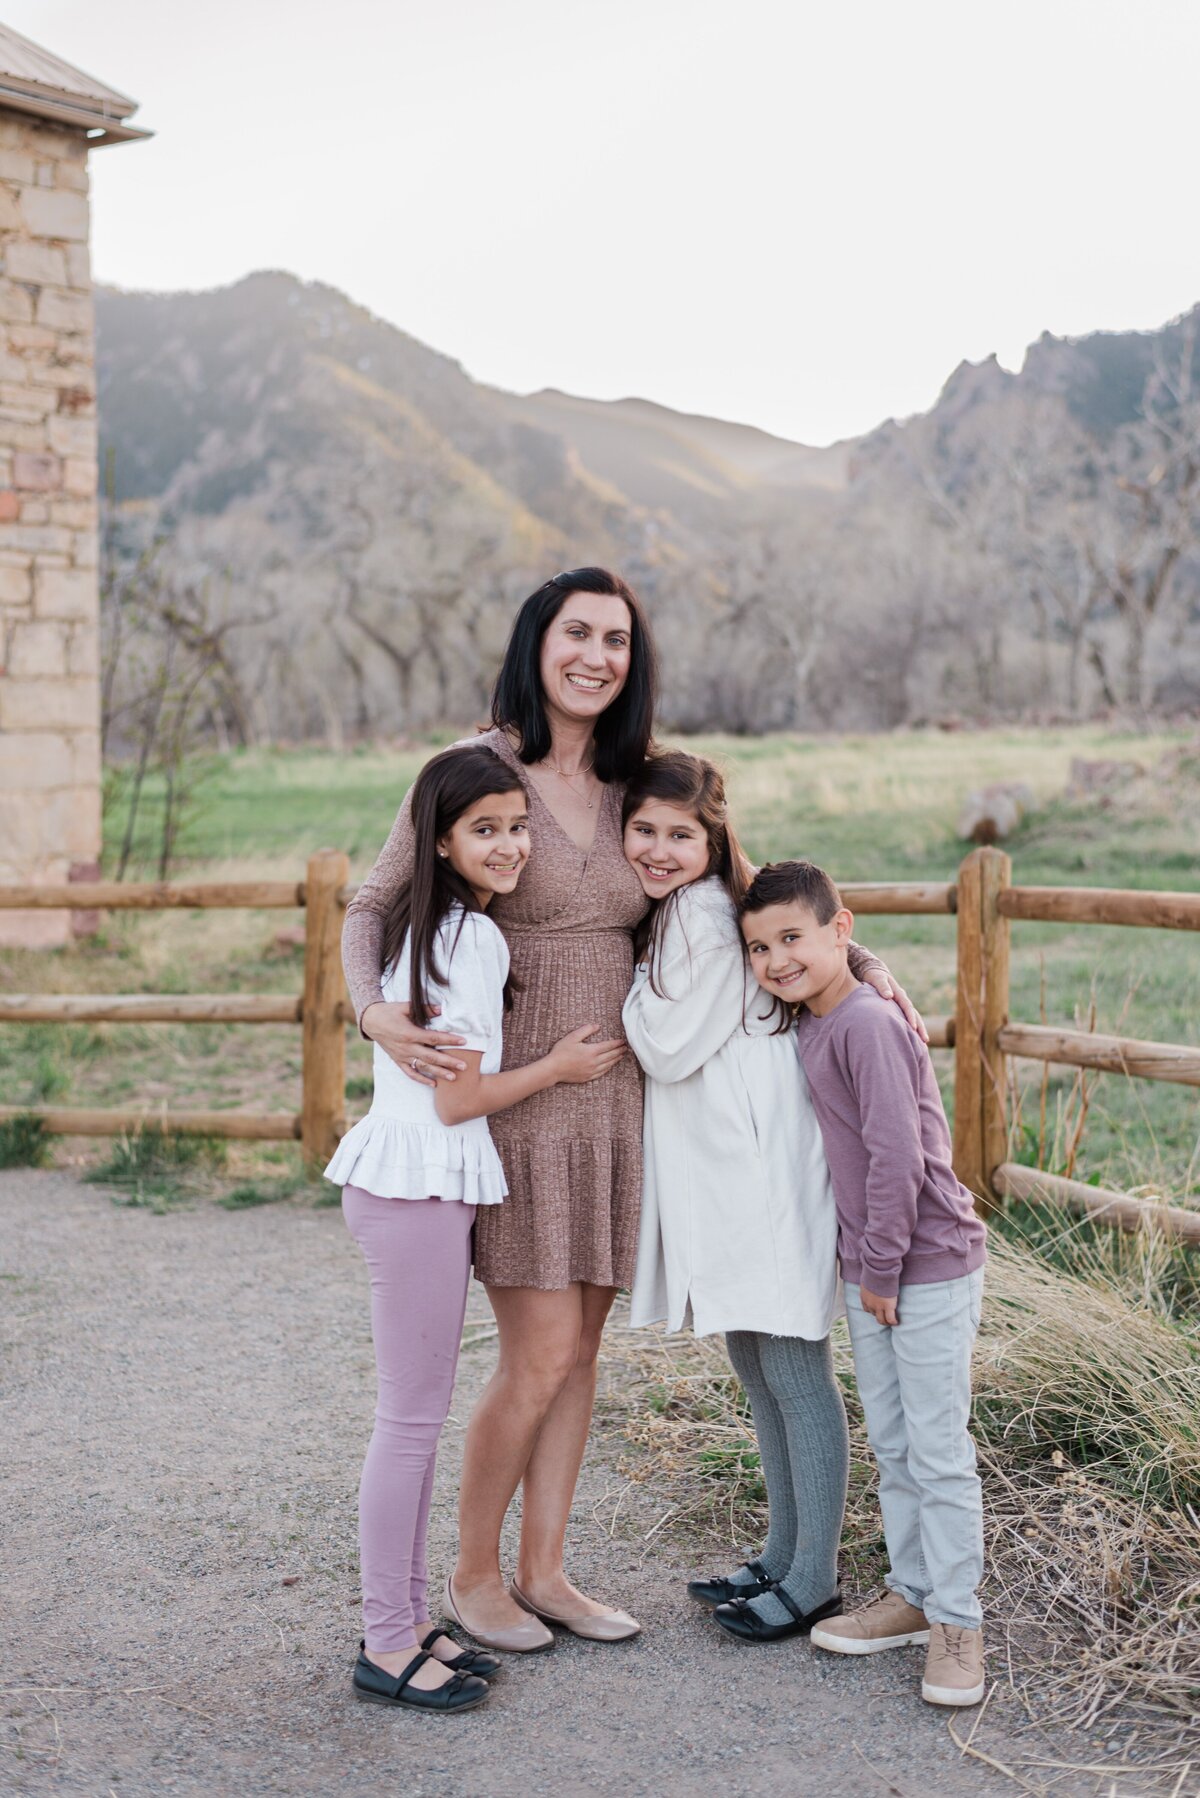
(576,1061)
(413,1047)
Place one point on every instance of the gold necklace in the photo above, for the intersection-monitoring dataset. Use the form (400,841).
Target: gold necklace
(547,763)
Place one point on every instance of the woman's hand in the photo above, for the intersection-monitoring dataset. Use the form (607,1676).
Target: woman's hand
(575,1061)
(413,1047)
(888,988)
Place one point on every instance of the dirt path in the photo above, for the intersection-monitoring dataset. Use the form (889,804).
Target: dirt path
(186,1399)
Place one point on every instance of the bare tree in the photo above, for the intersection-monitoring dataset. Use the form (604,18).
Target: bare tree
(1154,512)
(168,670)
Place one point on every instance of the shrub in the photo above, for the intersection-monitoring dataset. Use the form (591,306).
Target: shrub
(251,1193)
(154,1169)
(23,1141)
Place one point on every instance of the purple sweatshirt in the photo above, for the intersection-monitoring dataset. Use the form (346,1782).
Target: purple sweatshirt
(904,1218)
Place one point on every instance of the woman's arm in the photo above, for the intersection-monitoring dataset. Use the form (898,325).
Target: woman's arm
(362,933)
(573,1061)
(410,1046)
(863,962)
(872,972)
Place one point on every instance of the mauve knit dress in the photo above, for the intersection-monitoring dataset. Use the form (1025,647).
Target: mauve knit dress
(572,1154)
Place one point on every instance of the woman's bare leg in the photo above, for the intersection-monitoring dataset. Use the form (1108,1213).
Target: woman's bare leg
(539,1354)
(552,1473)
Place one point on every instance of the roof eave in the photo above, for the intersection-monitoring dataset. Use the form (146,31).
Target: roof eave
(109,127)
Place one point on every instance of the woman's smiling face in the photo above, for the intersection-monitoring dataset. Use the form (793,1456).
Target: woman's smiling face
(585,655)
(666,846)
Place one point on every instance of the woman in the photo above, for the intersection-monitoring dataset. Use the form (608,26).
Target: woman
(572,714)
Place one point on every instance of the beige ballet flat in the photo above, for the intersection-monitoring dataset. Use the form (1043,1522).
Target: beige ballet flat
(611,1626)
(529,1637)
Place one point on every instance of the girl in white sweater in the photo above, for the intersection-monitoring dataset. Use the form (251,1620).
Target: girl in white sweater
(738,1230)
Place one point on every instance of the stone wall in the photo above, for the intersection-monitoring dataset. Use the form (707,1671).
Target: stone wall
(49,600)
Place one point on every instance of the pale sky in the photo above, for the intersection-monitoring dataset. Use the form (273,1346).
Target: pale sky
(797,215)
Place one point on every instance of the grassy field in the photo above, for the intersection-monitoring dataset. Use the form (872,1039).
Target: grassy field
(870,808)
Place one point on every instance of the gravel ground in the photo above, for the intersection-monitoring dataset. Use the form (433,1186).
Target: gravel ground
(186,1399)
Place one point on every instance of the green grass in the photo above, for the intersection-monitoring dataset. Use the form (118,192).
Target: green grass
(262,804)
(23,1142)
(869,808)
(156,1171)
(248,1194)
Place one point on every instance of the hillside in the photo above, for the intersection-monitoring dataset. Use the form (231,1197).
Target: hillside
(676,462)
(362,514)
(1101,381)
(201,394)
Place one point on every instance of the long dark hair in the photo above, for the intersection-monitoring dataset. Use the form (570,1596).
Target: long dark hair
(624,730)
(444,789)
(693,785)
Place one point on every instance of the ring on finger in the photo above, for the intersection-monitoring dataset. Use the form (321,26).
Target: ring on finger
(415,1065)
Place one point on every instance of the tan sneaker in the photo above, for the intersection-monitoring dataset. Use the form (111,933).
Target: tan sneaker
(953,1666)
(891,1622)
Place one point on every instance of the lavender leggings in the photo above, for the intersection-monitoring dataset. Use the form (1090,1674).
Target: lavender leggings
(418,1253)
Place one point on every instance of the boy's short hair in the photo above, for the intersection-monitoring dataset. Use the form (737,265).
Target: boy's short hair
(793,883)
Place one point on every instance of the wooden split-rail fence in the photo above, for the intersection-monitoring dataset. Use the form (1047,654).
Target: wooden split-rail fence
(983,901)
(321,1010)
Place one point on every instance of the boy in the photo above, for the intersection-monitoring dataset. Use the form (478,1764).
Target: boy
(912,1254)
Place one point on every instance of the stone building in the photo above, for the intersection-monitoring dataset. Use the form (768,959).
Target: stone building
(51,116)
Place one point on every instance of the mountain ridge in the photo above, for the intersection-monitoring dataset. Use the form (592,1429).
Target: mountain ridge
(347,484)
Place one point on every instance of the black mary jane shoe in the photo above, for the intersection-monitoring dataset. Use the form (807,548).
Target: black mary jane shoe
(462,1692)
(748,1626)
(724,1591)
(471,1660)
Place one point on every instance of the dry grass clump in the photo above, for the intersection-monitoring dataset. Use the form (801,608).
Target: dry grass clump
(1088,1425)
(1087,1366)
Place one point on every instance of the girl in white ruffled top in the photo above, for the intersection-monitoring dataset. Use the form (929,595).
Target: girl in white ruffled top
(412,1172)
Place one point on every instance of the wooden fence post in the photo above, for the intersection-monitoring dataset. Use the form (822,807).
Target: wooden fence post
(980,1081)
(968,1028)
(996,933)
(323,1102)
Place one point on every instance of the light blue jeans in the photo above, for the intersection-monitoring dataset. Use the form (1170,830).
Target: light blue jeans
(914,1379)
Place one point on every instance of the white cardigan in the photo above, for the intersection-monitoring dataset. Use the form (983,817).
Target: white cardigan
(738,1223)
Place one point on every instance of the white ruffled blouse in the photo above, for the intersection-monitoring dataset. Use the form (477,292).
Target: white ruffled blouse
(401,1149)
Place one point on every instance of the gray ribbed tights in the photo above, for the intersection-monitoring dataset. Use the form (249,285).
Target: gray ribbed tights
(800,1423)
